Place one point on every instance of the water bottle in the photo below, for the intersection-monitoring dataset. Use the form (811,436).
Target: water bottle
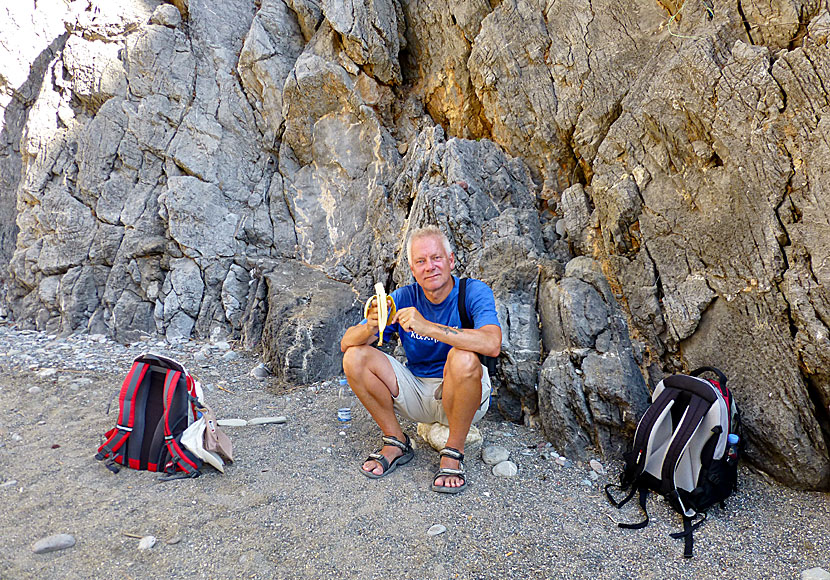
(345,395)
(732,449)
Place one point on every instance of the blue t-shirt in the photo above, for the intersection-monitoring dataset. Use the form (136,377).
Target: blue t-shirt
(426,356)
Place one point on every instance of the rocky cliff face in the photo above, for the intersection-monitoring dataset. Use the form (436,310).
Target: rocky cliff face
(642,183)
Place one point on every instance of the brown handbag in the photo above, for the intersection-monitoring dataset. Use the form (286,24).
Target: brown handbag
(215,440)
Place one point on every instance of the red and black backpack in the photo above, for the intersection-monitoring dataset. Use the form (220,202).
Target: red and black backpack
(157,402)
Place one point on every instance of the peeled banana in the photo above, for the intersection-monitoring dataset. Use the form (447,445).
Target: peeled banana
(386,309)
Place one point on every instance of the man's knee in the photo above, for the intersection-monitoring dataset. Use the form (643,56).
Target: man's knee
(356,358)
(463,363)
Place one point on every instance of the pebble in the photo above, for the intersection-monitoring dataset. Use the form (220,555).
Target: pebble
(267,420)
(35,390)
(229,356)
(16,437)
(9,483)
(174,540)
(53,543)
(597,467)
(593,475)
(561,460)
(586,482)
(436,529)
(232,422)
(46,373)
(494,454)
(223,345)
(260,371)
(505,469)
(147,542)
(815,574)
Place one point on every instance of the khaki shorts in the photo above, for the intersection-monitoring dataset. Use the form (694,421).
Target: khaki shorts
(419,398)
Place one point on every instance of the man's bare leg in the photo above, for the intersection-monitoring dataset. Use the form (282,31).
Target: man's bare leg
(373,381)
(461,399)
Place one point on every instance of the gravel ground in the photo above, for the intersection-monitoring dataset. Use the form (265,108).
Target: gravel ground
(293,505)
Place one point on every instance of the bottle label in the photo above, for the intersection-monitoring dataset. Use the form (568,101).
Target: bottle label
(344,414)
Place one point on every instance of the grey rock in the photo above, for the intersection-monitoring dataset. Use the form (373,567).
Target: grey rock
(260,371)
(53,543)
(231,422)
(306,312)
(815,574)
(34,390)
(268,420)
(230,355)
(587,396)
(505,469)
(146,542)
(166,15)
(436,529)
(372,35)
(597,466)
(493,454)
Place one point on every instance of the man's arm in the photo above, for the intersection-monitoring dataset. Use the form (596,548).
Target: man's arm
(485,340)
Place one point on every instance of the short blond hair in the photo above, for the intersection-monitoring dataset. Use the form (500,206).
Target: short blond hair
(427,232)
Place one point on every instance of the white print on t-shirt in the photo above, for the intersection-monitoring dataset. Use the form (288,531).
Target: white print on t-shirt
(417,336)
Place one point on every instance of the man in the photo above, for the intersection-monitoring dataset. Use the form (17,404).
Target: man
(444,380)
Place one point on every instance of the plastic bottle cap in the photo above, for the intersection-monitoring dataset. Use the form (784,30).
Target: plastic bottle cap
(732,439)
(344,381)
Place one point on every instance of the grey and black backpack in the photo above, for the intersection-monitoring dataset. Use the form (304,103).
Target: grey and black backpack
(685,448)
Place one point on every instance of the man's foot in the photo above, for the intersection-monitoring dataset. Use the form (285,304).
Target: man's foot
(449,480)
(393,453)
(451,477)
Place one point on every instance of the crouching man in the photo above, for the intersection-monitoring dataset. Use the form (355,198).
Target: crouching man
(443,380)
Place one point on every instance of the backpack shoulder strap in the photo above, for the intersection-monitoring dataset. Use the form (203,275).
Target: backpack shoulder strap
(462,304)
(638,457)
(698,407)
(179,456)
(127,405)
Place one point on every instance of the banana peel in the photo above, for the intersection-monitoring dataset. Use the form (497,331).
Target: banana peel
(386,309)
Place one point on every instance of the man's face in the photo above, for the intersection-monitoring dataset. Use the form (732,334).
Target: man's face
(431,265)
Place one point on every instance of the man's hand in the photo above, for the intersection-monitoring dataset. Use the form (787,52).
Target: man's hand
(364,333)
(410,320)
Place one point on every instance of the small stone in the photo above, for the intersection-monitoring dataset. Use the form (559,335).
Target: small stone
(166,15)
(35,390)
(436,529)
(597,466)
(268,420)
(437,434)
(9,483)
(232,422)
(53,543)
(147,542)
(561,460)
(815,574)
(494,454)
(260,371)
(46,373)
(174,540)
(16,437)
(586,482)
(229,356)
(505,469)
(593,475)
(223,345)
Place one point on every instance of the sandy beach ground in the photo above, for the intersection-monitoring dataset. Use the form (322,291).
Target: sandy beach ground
(293,504)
